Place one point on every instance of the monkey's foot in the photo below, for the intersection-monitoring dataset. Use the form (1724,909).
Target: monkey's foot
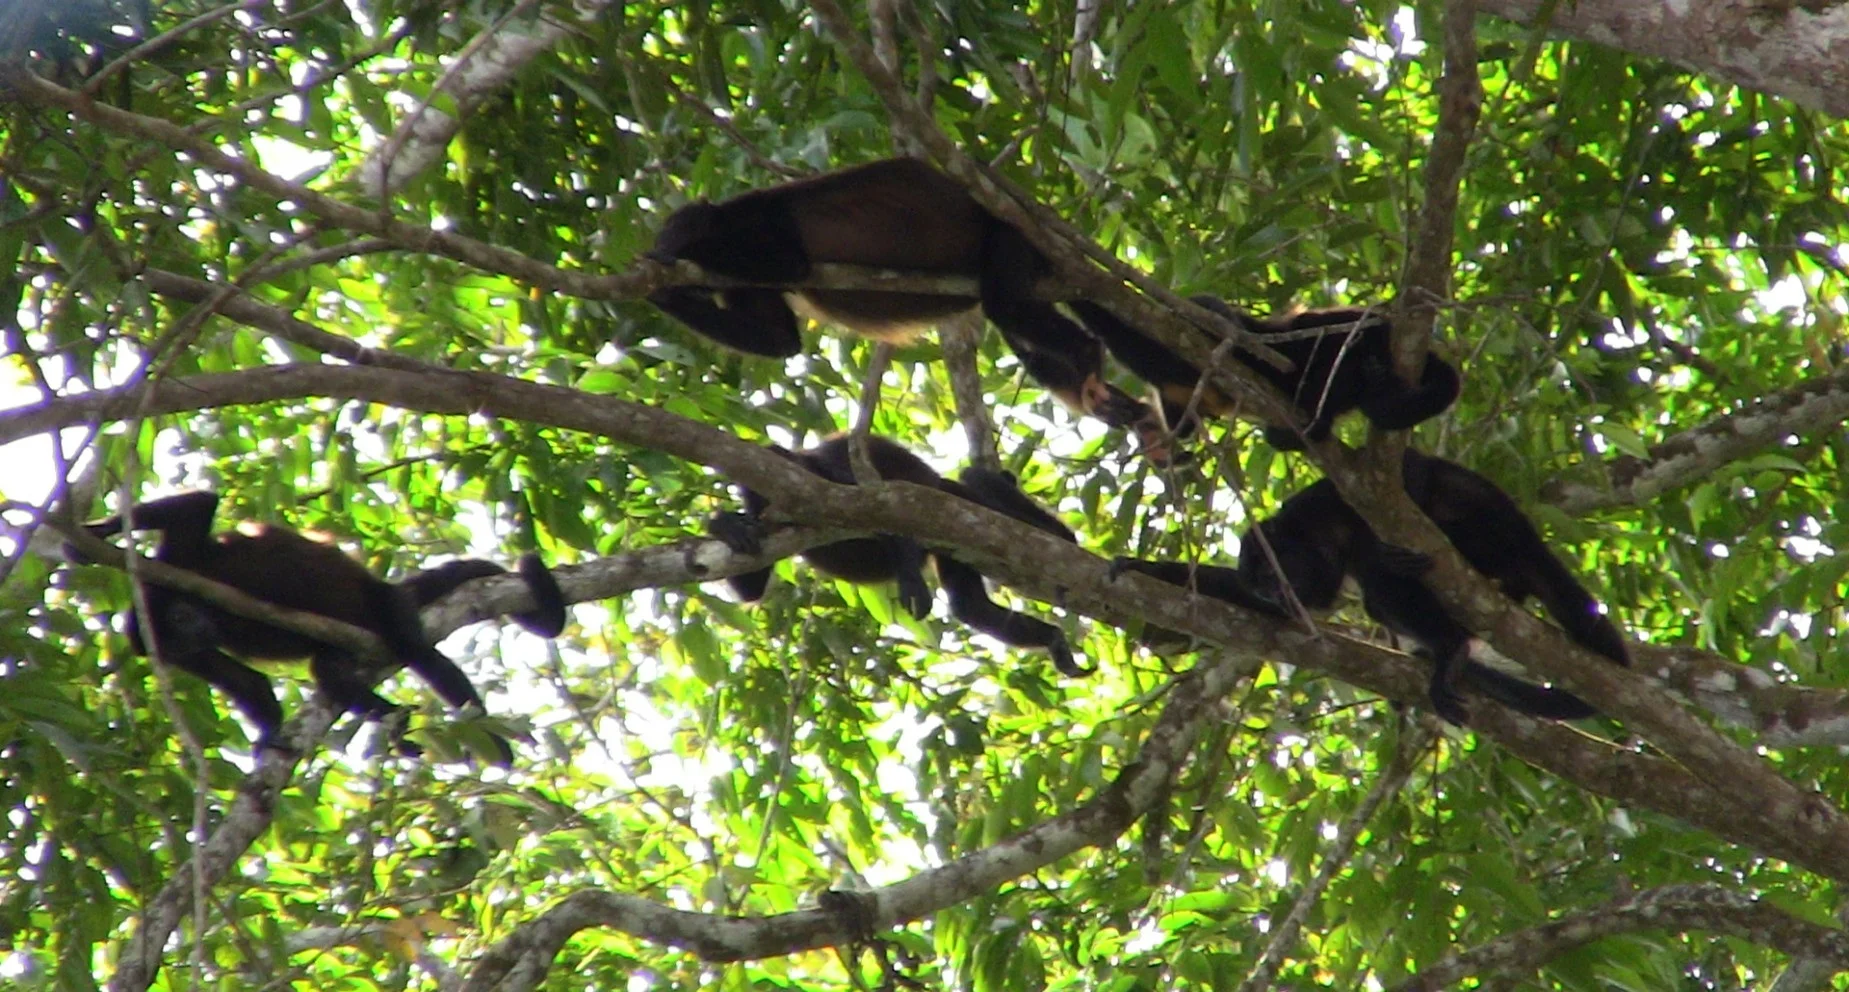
(914,594)
(1065,662)
(743,534)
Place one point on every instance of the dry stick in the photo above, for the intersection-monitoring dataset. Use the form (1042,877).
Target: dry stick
(1412,747)
(958,338)
(860,462)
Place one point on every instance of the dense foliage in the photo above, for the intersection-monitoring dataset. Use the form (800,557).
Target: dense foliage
(1639,251)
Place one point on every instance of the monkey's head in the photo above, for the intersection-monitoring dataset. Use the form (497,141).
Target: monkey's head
(685,227)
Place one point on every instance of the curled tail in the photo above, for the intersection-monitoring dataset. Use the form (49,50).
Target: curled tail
(547,618)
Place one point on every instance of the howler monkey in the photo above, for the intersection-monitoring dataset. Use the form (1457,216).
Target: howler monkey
(891,557)
(1319,540)
(1348,367)
(288,569)
(898,213)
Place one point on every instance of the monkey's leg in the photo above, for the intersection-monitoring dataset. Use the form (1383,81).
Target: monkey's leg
(342,681)
(970,603)
(744,534)
(339,676)
(1406,607)
(247,687)
(908,560)
(754,321)
(1059,354)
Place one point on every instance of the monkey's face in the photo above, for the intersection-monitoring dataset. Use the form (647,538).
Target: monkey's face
(684,229)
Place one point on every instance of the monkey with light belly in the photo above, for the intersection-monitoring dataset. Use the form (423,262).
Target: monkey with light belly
(899,214)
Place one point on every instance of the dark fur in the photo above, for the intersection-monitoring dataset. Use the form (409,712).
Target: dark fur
(1319,540)
(893,558)
(1350,367)
(899,214)
(281,566)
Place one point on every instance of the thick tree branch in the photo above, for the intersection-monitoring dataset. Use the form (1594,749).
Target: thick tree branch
(1646,709)
(1673,909)
(1744,809)
(1426,284)
(1802,409)
(1783,47)
(520,961)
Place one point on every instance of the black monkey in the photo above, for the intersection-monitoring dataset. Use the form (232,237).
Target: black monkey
(1348,367)
(286,568)
(1319,540)
(891,557)
(897,213)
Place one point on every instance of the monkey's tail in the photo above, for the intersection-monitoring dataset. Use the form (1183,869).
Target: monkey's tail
(1524,697)
(547,618)
(1573,608)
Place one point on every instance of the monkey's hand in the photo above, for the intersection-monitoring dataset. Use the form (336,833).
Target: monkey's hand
(742,533)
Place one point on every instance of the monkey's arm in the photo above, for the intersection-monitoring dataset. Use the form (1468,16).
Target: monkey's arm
(970,603)
(754,321)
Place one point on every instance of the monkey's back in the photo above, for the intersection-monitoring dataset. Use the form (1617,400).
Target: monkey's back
(287,569)
(897,214)
(1489,530)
